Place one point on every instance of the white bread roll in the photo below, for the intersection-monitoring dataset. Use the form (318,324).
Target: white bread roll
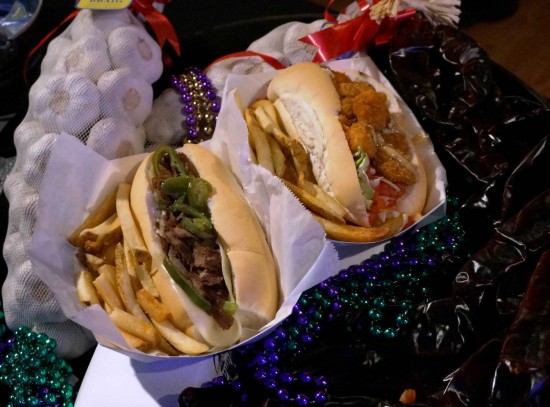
(243,240)
(308,105)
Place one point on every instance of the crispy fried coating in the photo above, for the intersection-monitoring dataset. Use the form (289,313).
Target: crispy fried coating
(392,169)
(339,77)
(370,106)
(347,107)
(358,135)
(397,139)
(352,89)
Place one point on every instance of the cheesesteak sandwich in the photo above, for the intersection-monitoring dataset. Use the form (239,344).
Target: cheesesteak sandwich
(210,259)
(177,258)
(341,150)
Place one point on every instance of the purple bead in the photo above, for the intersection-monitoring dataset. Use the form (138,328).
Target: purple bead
(302,399)
(210,95)
(215,107)
(305,377)
(282,394)
(269,343)
(260,374)
(219,381)
(188,109)
(191,121)
(270,383)
(192,133)
(320,396)
(186,98)
(260,360)
(286,377)
(321,381)
(273,357)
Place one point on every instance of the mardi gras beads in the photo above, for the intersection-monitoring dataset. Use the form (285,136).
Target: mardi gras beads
(387,286)
(30,369)
(200,104)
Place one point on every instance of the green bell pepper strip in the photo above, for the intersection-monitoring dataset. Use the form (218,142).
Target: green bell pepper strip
(199,192)
(175,161)
(187,287)
(177,186)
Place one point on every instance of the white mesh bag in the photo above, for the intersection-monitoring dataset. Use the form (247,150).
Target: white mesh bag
(95,84)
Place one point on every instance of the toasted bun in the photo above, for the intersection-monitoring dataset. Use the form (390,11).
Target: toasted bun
(308,105)
(240,232)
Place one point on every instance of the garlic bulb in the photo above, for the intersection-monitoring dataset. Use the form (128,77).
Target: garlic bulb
(36,160)
(115,138)
(133,46)
(99,22)
(27,133)
(88,55)
(125,95)
(64,103)
(163,126)
(56,48)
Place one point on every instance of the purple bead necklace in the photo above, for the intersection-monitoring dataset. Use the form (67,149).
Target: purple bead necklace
(388,285)
(200,104)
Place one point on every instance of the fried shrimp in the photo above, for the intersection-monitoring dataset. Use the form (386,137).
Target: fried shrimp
(394,167)
(370,106)
(361,136)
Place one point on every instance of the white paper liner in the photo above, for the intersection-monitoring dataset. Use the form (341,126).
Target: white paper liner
(76,179)
(231,132)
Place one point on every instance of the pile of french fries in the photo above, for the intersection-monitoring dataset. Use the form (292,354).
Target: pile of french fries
(286,158)
(116,273)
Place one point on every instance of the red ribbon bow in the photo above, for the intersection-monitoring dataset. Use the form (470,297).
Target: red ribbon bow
(161,26)
(355,34)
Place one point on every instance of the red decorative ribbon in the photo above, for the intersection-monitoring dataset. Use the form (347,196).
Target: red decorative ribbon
(355,34)
(161,26)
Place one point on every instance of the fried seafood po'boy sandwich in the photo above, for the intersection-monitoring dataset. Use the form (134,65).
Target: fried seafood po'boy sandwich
(339,147)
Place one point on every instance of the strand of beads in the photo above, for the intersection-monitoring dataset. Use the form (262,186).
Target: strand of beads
(387,285)
(31,370)
(200,104)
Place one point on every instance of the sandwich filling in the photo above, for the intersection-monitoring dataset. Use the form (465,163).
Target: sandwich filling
(189,239)
(382,152)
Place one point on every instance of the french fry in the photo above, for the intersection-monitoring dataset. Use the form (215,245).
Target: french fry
(124,284)
(85,289)
(135,326)
(277,157)
(178,339)
(316,205)
(137,343)
(352,233)
(93,263)
(130,230)
(152,307)
(107,232)
(166,348)
(141,272)
(104,210)
(106,289)
(259,141)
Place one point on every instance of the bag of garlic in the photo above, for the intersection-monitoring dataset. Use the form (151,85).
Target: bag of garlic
(95,84)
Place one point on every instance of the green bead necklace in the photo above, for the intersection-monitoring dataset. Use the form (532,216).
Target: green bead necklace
(31,374)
